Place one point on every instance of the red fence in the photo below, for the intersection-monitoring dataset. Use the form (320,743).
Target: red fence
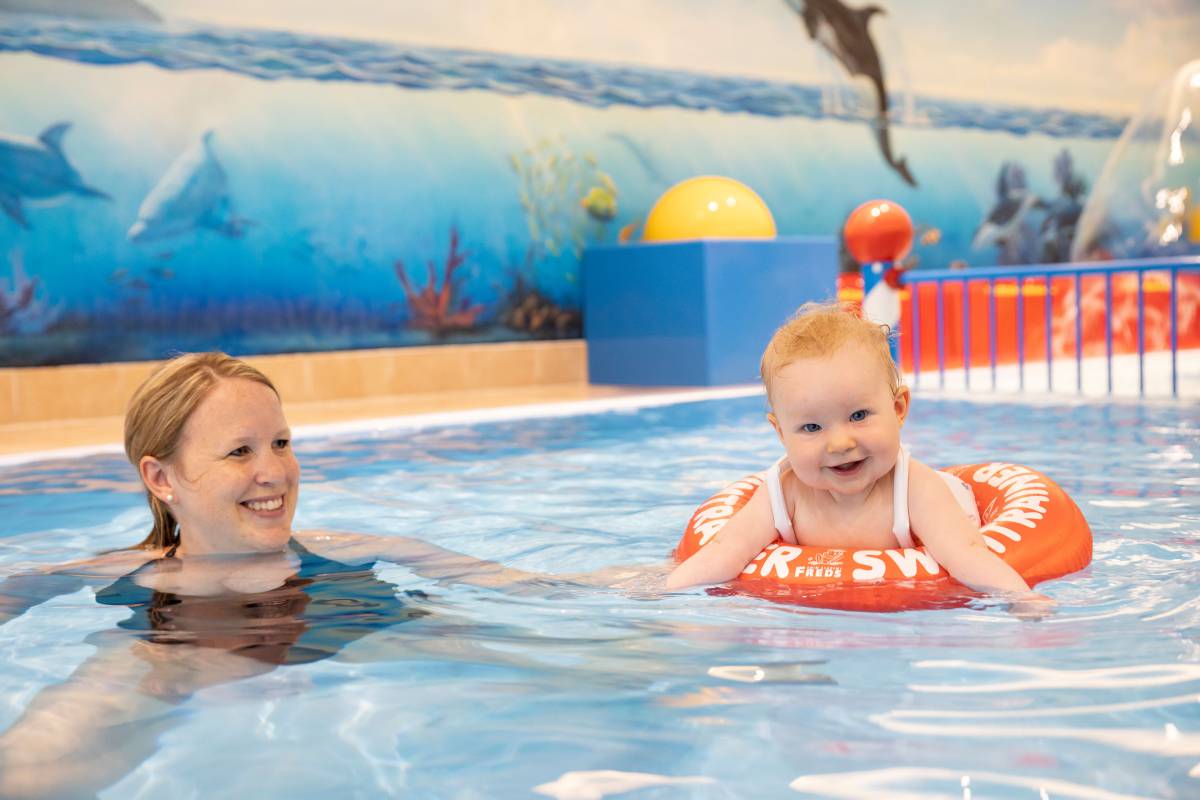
(1033,296)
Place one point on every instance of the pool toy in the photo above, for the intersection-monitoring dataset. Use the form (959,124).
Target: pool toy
(878,230)
(1028,520)
(709,206)
(879,234)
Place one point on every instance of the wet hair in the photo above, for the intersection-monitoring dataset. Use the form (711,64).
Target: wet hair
(818,330)
(158,412)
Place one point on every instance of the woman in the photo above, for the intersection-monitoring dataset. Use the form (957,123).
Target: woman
(221,589)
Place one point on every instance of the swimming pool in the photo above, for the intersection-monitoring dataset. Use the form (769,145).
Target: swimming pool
(544,693)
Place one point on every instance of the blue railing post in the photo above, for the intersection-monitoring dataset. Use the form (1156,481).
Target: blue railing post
(1079,332)
(939,300)
(1020,333)
(1049,337)
(915,304)
(1141,333)
(966,315)
(1108,321)
(992,328)
(1172,303)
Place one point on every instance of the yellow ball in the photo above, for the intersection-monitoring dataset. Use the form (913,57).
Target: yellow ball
(709,206)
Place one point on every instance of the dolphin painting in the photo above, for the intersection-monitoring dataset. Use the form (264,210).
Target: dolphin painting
(36,170)
(193,193)
(843,32)
(1006,223)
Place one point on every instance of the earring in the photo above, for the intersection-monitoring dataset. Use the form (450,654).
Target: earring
(170,498)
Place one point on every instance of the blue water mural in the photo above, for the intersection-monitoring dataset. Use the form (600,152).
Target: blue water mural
(263,191)
(277,55)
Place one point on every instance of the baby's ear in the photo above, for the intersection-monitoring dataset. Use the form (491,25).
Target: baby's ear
(771,418)
(902,398)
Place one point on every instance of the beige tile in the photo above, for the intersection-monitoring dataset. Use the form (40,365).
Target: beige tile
(430,369)
(290,374)
(51,407)
(60,393)
(338,379)
(73,433)
(39,393)
(564,362)
(37,436)
(126,378)
(8,397)
(503,366)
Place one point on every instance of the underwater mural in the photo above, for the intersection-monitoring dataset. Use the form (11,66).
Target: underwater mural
(280,177)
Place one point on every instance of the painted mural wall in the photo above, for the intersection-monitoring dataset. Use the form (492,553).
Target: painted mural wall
(279,176)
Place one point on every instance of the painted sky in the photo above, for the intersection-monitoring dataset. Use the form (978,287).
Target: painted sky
(1102,55)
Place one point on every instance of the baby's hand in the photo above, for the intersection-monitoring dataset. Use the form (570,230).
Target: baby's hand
(1032,606)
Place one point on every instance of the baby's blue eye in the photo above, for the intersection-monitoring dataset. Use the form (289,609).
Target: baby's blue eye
(810,427)
(859,416)
(280,444)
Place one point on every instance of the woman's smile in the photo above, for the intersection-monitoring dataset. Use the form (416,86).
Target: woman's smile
(266,506)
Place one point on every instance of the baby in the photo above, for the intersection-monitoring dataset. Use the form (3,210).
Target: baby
(837,403)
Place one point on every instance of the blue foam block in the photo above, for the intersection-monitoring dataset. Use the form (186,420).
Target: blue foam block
(696,313)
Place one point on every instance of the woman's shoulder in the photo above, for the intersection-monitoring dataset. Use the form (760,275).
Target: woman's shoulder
(350,548)
(112,564)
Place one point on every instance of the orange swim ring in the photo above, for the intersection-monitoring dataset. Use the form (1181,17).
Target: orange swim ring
(1028,520)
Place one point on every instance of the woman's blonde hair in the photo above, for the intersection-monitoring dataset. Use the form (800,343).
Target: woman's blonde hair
(817,330)
(160,408)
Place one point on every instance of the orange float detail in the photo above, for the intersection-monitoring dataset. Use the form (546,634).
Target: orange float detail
(1028,520)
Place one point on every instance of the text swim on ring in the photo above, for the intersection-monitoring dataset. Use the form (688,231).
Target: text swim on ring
(1027,520)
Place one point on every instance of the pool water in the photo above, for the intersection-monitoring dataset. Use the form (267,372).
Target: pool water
(581,693)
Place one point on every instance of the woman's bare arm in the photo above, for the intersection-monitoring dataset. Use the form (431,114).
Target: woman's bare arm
(25,590)
(425,558)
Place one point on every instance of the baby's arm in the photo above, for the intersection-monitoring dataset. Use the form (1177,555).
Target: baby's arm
(744,536)
(954,541)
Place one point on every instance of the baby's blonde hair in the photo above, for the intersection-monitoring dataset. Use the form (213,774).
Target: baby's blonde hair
(817,330)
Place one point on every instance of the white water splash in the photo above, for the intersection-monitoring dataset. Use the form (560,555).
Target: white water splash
(606,782)
(887,783)
(1038,678)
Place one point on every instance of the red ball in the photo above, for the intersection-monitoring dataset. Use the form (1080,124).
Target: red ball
(878,230)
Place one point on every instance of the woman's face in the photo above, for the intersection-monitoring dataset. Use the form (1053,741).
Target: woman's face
(234,476)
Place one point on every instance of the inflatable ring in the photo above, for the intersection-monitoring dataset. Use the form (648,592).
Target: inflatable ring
(1028,520)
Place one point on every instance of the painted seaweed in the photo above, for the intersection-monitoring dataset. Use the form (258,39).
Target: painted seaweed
(438,309)
(22,310)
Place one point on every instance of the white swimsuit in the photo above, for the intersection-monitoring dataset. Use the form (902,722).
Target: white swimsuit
(900,524)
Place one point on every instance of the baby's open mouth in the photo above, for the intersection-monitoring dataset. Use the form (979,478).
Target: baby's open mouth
(849,467)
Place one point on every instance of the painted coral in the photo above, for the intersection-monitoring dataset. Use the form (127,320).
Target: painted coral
(21,309)
(438,309)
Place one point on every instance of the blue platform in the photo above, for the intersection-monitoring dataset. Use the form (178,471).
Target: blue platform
(696,313)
